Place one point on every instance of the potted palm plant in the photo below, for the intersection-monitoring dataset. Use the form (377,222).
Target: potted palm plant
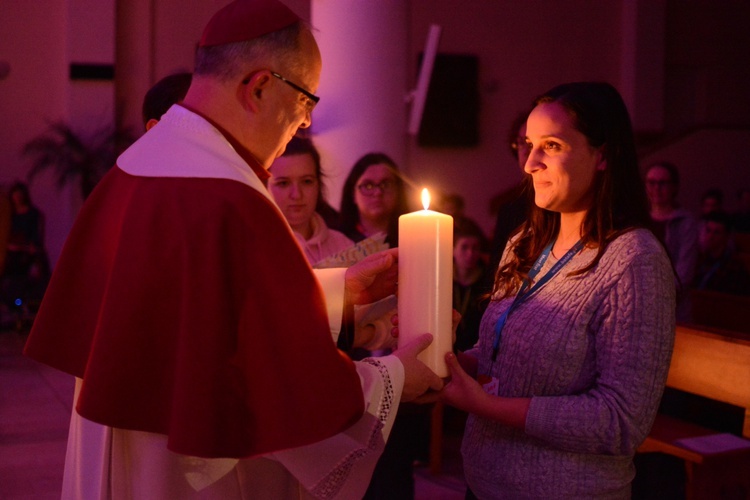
(75,157)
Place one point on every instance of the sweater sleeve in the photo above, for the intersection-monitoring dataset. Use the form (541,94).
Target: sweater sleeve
(633,343)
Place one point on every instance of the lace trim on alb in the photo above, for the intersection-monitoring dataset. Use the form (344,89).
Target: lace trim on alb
(330,486)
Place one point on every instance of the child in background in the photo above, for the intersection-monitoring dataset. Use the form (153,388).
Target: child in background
(469,283)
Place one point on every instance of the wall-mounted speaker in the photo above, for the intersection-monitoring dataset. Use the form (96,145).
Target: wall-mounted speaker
(451,112)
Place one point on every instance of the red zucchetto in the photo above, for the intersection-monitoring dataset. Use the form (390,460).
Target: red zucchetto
(244,20)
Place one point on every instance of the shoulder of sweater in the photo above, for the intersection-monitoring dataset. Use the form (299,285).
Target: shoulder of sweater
(631,245)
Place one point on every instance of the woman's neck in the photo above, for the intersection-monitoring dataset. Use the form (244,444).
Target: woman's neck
(305,230)
(569,233)
(373,226)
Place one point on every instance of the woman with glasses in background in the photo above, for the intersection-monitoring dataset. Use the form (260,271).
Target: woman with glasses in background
(674,226)
(373,198)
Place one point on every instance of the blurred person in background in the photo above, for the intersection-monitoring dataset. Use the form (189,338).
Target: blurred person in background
(372,199)
(296,185)
(469,280)
(162,95)
(675,226)
(718,267)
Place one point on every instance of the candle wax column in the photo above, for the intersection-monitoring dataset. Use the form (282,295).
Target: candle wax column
(425,283)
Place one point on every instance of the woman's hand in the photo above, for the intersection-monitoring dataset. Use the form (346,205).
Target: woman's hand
(466,394)
(462,392)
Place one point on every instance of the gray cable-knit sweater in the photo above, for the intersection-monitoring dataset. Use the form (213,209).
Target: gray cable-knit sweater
(592,352)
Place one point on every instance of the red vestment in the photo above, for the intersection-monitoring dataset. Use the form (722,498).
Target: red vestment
(188,309)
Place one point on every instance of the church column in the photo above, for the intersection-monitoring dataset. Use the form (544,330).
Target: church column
(365,52)
(642,63)
(133,60)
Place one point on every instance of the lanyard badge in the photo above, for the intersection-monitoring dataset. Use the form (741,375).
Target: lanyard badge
(490,384)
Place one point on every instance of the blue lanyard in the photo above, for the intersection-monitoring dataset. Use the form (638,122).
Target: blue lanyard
(524,293)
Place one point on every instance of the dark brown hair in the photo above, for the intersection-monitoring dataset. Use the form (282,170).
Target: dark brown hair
(169,90)
(619,202)
(304,146)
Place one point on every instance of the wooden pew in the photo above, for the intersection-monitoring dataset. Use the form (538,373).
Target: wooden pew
(715,365)
(742,241)
(744,257)
(720,310)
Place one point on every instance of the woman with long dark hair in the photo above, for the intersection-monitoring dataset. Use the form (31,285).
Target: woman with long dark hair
(575,344)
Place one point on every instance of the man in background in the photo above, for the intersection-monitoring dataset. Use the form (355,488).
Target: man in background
(162,95)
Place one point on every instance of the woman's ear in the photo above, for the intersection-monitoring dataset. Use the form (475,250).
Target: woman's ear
(601,160)
(254,88)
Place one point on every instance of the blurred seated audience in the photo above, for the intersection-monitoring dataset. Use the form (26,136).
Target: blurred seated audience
(741,218)
(4,227)
(676,227)
(26,271)
(452,204)
(712,201)
(470,294)
(719,269)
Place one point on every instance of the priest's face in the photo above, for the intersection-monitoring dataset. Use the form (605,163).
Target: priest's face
(295,188)
(294,110)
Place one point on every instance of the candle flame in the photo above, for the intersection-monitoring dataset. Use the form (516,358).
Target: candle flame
(425,198)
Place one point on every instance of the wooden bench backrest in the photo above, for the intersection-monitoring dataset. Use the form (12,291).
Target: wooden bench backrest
(720,310)
(742,241)
(716,366)
(744,257)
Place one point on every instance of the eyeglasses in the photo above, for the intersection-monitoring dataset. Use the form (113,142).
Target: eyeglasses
(658,183)
(312,99)
(368,188)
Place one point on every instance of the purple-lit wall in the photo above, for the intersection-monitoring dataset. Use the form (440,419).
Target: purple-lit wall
(697,76)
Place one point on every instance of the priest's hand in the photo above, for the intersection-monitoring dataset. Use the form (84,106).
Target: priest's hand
(455,320)
(372,278)
(374,324)
(418,379)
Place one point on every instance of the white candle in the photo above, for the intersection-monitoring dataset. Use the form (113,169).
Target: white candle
(425,282)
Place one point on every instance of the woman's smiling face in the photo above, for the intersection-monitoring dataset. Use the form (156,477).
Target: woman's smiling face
(561,161)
